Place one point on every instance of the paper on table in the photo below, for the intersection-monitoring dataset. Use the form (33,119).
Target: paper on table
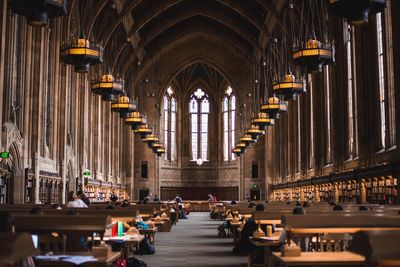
(77,260)
(267,238)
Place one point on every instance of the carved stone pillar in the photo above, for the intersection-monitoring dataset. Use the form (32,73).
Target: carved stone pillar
(37,181)
(316,194)
(301,194)
(335,193)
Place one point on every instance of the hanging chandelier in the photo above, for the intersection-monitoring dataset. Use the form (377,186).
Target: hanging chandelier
(254,131)
(313,55)
(108,87)
(135,119)
(239,148)
(356,11)
(237,152)
(274,107)
(156,145)
(80,53)
(159,151)
(150,139)
(262,121)
(247,139)
(124,106)
(38,12)
(143,130)
(288,86)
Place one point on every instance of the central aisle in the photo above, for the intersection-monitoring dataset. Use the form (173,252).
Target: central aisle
(193,243)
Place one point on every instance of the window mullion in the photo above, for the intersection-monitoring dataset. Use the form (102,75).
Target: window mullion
(199,129)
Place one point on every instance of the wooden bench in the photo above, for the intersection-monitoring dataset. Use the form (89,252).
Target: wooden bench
(380,248)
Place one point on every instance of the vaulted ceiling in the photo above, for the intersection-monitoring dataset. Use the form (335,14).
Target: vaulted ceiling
(139,30)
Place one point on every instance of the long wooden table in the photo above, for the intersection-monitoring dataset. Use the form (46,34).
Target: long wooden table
(98,262)
(342,258)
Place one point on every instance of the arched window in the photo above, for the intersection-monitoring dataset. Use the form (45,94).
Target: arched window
(351,94)
(199,109)
(170,109)
(228,117)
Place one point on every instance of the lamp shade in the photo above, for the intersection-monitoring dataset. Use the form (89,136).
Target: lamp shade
(143,130)
(356,11)
(135,119)
(108,87)
(254,131)
(313,55)
(288,87)
(262,121)
(124,106)
(274,107)
(82,54)
(38,12)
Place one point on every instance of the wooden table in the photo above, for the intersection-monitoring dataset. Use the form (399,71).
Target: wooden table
(266,246)
(342,258)
(235,227)
(100,262)
(128,243)
(149,233)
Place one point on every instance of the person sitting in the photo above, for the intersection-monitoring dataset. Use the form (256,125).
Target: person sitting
(56,206)
(299,211)
(210,199)
(113,197)
(362,208)
(306,204)
(156,198)
(125,204)
(147,198)
(36,211)
(74,201)
(244,245)
(337,207)
(110,207)
(6,223)
(178,199)
(251,205)
(83,197)
(233,202)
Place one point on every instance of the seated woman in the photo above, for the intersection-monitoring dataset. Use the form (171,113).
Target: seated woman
(244,246)
(74,201)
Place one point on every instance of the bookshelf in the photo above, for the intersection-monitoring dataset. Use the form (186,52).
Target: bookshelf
(3,189)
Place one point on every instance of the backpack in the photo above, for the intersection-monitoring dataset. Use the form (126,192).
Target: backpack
(221,231)
(146,247)
(134,262)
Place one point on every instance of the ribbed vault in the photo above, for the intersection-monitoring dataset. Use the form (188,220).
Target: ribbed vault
(137,30)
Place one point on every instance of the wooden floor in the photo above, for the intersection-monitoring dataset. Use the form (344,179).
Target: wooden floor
(193,243)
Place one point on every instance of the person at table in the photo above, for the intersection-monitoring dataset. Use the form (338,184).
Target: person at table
(156,198)
(210,200)
(36,211)
(178,199)
(147,198)
(83,197)
(337,207)
(6,223)
(113,197)
(244,246)
(125,204)
(300,241)
(74,201)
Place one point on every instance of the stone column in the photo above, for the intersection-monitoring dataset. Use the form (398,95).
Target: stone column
(63,175)
(363,191)
(301,194)
(336,193)
(316,194)
(37,181)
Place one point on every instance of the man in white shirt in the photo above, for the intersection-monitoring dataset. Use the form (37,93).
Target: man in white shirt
(74,201)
